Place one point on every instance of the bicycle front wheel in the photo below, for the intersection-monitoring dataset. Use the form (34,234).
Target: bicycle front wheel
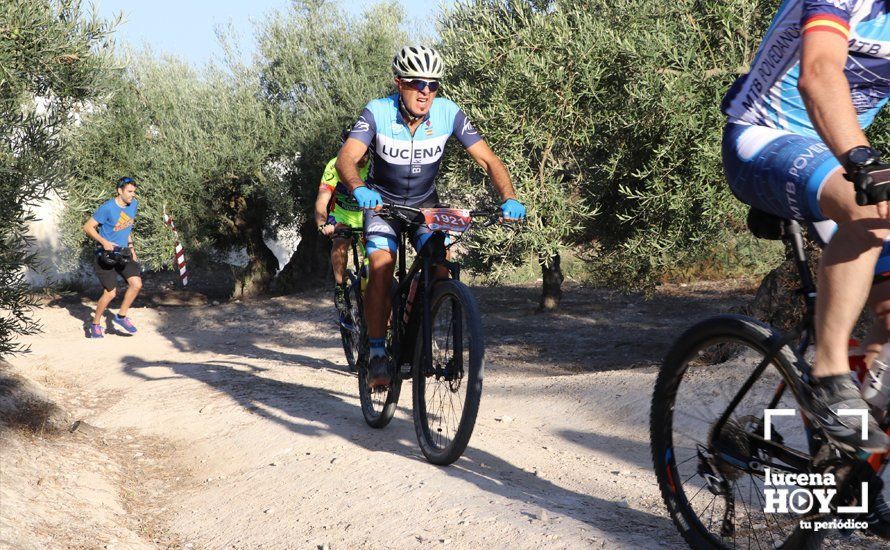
(447,389)
(713,482)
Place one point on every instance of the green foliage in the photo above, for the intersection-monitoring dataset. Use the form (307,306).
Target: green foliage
(319,69)
(52,60)
(607,116)
(232,153)
(514,68)
(201,145)
(665,201)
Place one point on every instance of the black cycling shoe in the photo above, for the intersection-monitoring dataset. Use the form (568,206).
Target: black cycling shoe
(379,372)
(879,518)
(831,394)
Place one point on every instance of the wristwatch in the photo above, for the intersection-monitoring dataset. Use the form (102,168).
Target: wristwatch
(860,157)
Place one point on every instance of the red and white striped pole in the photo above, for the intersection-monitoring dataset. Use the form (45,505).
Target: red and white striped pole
(180,255)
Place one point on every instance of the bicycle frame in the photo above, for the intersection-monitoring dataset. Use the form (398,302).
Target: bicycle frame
(804,334)
(432,254)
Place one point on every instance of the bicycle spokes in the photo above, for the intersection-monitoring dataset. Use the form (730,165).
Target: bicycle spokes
(722,474)
(444,388)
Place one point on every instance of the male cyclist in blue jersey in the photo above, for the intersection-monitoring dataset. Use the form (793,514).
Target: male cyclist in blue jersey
(406,134)
(795,129)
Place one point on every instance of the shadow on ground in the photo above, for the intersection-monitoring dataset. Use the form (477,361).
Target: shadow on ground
(292,405)
(594,330)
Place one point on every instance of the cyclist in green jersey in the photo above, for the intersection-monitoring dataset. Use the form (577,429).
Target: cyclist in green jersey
(335,207)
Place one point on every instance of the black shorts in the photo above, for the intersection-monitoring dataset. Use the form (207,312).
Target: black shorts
(108,275)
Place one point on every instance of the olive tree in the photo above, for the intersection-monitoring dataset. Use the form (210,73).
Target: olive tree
(532,84)
(202,146)
(319,68)
(607,115)
(53,60)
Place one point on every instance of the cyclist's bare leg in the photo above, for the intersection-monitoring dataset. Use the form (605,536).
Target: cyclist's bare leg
(339,258)
(845,273)
(377,298)
(879,333)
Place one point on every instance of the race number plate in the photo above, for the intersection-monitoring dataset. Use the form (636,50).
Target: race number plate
(447,219)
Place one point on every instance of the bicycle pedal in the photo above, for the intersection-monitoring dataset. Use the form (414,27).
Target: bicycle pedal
(405,368)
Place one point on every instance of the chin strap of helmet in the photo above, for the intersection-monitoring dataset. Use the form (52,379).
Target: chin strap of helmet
(406,114)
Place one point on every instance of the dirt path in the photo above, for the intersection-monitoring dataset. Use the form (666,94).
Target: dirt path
(236,426)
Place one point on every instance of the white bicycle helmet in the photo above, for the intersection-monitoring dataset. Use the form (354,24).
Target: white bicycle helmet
(418,62)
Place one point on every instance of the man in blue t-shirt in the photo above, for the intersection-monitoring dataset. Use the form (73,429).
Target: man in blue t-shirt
(111,226)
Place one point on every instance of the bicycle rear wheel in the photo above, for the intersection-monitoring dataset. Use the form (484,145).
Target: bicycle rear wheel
(447,394)
(713,484)
(353,335)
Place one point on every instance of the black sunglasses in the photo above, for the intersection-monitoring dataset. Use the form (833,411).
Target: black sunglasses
(420,85)
(124,181)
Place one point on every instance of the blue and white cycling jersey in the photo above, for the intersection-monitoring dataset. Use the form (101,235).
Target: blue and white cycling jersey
(404,167)
(768,95)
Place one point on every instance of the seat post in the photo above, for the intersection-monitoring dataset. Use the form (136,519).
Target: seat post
(793,238)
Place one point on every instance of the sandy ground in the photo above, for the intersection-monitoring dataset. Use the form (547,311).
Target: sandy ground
(237,426)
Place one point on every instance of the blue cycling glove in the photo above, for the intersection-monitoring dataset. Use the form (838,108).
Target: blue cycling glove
(367,198)
(512,209)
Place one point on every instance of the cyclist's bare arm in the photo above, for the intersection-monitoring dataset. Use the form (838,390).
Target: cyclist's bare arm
(500,178)
(347,163)
(826,91)
(321,204)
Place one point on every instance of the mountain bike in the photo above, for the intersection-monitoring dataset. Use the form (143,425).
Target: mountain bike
(717,451)
(352,327)
(435,338)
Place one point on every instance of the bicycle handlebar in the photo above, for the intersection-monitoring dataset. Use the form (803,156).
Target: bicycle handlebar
(346,233)
(401,211)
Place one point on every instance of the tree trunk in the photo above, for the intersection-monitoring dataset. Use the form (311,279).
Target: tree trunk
(551,288)
(310,264)
(254,279)
(778,302)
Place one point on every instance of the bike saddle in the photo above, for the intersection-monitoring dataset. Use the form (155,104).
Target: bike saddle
(765,225)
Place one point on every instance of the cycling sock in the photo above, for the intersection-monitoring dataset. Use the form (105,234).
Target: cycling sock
(378,347)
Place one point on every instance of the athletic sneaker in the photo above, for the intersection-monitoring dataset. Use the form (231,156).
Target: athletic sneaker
(125,323)
(832,394)
(96,331)
(379,372)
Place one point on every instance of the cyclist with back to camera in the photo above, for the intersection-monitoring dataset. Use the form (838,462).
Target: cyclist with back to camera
(795,129)
(406,134)
(345,213)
